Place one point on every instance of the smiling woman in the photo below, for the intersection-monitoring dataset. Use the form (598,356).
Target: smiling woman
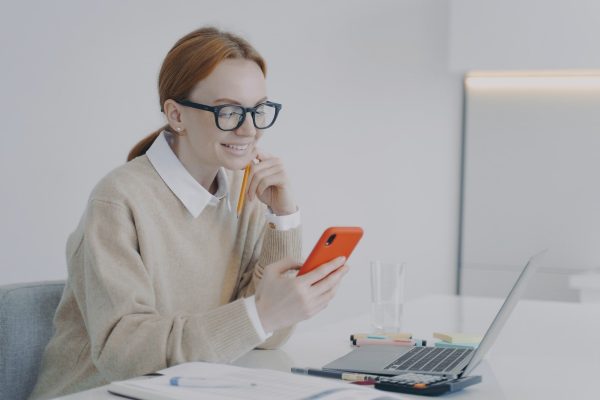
(191,60)
(161,269)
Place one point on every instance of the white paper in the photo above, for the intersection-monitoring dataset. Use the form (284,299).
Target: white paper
(245,383)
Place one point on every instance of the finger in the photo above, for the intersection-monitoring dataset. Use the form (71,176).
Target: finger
(327,296)
(265,165)
(253,180)
(276,178)
(255,152)
(282,266)
(263,156)
(321,303)
(257,177)
(262,164)
(323,270)
(254,168)
(254,160)
(330,282)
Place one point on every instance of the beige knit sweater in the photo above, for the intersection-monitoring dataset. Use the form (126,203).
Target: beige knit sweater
(151,286)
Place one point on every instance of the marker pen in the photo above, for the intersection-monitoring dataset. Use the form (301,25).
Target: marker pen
(197,382)
(411,342)
(395,342)
(399,335)
(346,376)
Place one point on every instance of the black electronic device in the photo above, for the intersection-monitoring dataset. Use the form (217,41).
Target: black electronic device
(424,384)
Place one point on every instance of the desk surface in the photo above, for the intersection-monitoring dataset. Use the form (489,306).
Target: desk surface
(547,350)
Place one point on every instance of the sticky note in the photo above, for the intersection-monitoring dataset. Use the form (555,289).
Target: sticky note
(457,337)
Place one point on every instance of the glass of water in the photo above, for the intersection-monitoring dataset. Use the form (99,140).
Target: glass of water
(387,295)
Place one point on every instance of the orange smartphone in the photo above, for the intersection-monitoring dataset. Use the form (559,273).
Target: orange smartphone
(335,242)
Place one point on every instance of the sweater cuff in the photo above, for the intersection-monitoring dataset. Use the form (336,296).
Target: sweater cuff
(278,245)
(230,330)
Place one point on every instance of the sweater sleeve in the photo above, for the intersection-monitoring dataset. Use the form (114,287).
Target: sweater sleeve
(269,247)
(114,291)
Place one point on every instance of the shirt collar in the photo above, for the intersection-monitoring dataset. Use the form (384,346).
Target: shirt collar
(193,195)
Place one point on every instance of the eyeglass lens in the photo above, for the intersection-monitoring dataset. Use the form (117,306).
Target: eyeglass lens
(229,117)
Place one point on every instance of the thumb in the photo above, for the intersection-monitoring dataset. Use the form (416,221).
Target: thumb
(282,266)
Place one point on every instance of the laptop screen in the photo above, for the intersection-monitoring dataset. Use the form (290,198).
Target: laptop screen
(509,304)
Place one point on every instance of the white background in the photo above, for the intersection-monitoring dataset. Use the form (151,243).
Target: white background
(370,131)
(531,169)
(532,154)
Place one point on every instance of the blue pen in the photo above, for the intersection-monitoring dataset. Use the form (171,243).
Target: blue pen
(197,382)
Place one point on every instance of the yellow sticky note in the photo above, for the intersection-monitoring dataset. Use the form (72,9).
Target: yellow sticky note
(457,337)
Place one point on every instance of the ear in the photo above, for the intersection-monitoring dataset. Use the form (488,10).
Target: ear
(173,111)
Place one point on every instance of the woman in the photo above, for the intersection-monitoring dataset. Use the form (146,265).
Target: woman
(161,269)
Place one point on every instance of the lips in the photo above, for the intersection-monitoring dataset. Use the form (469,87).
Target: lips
(238,147)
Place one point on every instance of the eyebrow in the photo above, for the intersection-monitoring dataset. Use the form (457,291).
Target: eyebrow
(231,101)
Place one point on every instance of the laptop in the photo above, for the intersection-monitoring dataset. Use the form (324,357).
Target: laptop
(450,363)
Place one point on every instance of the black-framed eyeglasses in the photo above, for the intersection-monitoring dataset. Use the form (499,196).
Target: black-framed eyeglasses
(229,117)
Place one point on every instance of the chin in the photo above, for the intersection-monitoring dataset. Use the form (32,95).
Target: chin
(235,162)
(235,166)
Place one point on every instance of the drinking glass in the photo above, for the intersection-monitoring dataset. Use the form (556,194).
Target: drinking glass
(387,296)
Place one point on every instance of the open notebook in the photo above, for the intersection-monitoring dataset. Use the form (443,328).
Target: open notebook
(231,382)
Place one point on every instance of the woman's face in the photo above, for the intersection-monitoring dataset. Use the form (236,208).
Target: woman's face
(233,81)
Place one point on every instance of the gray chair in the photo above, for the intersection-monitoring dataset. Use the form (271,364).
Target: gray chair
(26,314)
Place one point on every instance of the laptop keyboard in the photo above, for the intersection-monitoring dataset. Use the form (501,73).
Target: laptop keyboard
(431,359)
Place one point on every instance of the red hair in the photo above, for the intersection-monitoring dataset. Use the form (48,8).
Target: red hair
(192,59)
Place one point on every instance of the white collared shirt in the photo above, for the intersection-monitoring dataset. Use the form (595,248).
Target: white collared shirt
(195,198)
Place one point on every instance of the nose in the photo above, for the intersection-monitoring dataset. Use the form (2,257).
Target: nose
(247,128)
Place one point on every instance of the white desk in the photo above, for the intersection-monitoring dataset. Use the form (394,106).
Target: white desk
(547,350)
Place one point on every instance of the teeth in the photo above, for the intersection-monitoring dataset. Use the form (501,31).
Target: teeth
(231,146)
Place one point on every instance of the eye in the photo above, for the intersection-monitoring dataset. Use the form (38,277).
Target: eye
(230,112)
(260,109)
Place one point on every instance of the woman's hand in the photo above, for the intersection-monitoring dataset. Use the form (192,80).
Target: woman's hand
(269,182)
(283,300)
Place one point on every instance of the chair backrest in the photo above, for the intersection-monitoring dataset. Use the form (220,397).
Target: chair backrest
(26,314)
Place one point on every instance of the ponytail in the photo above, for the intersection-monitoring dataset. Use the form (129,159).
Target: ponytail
(143,145)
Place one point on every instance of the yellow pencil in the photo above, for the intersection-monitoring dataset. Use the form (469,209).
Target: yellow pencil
(240,204)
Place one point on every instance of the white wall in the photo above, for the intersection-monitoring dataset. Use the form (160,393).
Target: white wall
(370,130)
(524,34)
(531,158)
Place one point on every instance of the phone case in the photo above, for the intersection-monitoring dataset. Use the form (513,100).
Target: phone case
(336,241)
